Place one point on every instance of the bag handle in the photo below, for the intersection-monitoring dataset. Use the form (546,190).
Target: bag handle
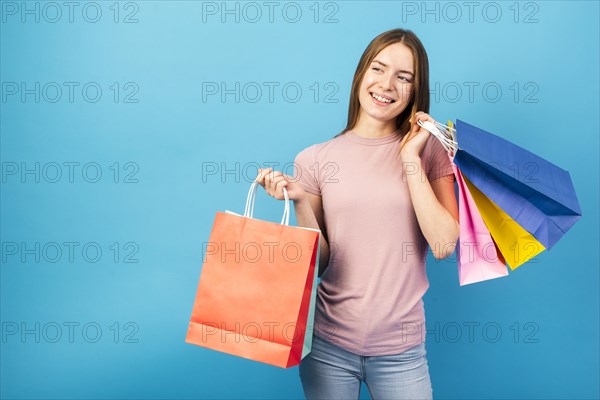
(249,210)
(444,133)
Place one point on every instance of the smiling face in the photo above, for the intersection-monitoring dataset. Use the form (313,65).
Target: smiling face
(387,86)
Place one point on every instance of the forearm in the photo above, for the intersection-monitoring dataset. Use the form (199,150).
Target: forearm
(439,227)
(305,217)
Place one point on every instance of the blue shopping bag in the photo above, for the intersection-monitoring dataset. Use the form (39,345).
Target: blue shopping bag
(535,193)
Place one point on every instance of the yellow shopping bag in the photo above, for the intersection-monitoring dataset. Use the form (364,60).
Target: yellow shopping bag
(516,244)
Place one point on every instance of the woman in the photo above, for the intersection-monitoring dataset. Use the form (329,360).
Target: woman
(380,192)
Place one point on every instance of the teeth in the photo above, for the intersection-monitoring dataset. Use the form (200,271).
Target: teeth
(382,99)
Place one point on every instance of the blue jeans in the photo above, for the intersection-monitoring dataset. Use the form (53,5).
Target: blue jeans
(330,372)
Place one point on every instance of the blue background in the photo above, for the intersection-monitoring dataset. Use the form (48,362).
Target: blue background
(541,322)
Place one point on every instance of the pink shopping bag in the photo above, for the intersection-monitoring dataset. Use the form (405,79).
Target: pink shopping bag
(477,255)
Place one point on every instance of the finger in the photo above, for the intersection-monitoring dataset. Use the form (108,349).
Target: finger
(415,126)
(270,174)
(418,117)
(259,178)
(262,173)
(258,175)
(273,176)
(266,173)
(272,187)
(426,117)
(279,185)
(279,191)
(421,116)
(276,183)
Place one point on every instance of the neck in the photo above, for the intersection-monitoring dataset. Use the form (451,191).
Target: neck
(373,128)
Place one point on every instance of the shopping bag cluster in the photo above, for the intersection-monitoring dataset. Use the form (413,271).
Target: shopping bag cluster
(512,203)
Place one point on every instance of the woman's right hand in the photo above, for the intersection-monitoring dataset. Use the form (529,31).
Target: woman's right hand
(275,181)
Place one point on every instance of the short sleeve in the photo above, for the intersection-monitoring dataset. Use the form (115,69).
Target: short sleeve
(436,160)
(305,171)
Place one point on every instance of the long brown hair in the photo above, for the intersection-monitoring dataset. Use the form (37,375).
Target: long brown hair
(420,99)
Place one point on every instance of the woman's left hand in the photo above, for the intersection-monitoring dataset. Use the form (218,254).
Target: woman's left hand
(414,142)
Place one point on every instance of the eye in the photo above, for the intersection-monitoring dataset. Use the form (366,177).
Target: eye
(404,78)
(376,69)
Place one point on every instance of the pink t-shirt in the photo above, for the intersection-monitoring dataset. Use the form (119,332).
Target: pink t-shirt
(369,300)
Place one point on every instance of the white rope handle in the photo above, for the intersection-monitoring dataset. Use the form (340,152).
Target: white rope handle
(285,220)
(250,199)
(445,134)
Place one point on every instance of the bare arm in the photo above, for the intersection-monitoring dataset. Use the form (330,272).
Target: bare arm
(309,214)
(435,207)
(435,202)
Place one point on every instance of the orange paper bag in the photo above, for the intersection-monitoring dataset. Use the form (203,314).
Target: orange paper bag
(256,292)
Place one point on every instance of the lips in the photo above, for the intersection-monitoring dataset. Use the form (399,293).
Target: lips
(381,100)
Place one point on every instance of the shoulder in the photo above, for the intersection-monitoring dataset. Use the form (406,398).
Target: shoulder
(318,150)
(435,159)
(432,148)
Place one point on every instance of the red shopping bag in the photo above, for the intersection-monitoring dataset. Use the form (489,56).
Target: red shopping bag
(256,288)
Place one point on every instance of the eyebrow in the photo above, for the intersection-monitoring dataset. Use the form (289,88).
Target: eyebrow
(407,72)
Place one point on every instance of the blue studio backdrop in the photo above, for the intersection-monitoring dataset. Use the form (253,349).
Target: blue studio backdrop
(126,125)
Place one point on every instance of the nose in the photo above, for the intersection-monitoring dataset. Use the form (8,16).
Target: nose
(386,82)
